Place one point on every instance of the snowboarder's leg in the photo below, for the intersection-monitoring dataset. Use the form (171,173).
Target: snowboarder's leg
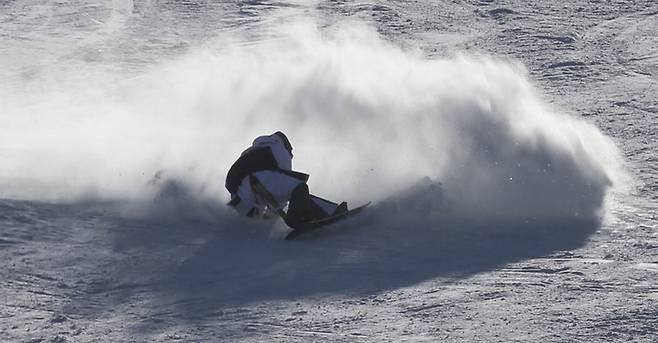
(304,208)
(279,185)
(328,206)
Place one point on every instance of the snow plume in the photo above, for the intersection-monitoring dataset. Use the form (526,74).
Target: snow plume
(367,119)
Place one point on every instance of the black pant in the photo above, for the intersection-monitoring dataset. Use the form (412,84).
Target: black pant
(302,209)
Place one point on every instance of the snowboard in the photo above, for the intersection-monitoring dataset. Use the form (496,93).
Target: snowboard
(266,196)
(316,224)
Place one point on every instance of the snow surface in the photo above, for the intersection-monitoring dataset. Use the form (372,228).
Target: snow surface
(508,146)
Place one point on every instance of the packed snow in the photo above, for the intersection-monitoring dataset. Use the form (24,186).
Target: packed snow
(508,148)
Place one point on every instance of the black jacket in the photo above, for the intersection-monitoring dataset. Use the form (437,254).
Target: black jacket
(252,161)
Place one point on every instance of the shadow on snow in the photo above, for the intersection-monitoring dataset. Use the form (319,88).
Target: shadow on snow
(224,262)
(195,258)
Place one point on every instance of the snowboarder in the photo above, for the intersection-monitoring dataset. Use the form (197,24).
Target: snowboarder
(268,164)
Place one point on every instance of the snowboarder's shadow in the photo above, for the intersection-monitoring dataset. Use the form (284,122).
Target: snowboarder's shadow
(196,259)
(400,243)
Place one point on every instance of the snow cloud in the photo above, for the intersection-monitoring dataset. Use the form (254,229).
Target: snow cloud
(367,119)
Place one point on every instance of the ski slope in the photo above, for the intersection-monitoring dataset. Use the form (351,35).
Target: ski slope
(508,148)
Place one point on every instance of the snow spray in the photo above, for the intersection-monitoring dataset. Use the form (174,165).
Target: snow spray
(367,120)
